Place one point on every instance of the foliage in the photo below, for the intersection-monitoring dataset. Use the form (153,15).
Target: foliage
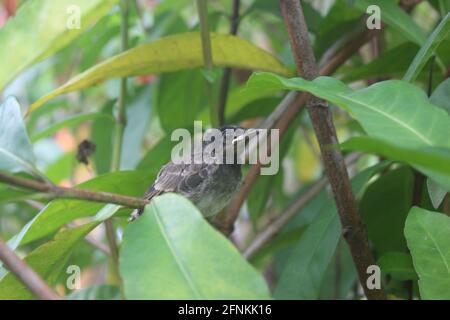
(60,86)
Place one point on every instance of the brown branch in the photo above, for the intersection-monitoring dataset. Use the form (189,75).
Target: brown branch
(25,274)
(286,113)
(55,191)
(225,84)
(353,229)
(272,228)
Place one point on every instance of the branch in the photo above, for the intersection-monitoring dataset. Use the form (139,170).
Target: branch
(281,118)
(353,228)
(272,228)
(225,84)
(25,274)
(56,192)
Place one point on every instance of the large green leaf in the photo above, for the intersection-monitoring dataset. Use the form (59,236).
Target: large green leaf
(427,234)
(47,261)
(16,152)
(40,28)
(395,17)
(171,252)
(62,211)
(388,199)
(169,54)
(427,50)
(392,110)
(304,272)
(97,292)
(433,162)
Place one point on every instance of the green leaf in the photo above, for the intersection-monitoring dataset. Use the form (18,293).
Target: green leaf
(436,192)
(169,54)
(388,199)
(69,122)
(16,153)
(303,274)
(407,118)
(439,34)
(62,211)
(396,18)
(399,265)
(40,28)
(158,155)
(172,246)
(441,96)
(47,261)
(427,234)
(433,162)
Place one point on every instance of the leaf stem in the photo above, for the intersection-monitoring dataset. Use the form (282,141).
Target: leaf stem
(202,8)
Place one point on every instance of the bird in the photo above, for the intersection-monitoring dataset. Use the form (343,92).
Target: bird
(209,186)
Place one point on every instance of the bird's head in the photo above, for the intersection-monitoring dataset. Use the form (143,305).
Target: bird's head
(226,139)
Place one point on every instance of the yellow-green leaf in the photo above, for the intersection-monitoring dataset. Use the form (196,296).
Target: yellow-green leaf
(42,27)
(169,54)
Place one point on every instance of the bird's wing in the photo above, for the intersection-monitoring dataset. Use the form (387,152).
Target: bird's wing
(177,178)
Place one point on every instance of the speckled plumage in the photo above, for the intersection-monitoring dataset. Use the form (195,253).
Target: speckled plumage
(209,186)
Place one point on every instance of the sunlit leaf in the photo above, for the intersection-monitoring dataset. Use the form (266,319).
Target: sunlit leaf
(427,235)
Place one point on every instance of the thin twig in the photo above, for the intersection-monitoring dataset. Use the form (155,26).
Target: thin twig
(353,229)
(56,192)
(25,274)
(225,83)
(202,7)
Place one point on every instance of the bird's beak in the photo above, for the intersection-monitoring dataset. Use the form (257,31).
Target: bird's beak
(247,133)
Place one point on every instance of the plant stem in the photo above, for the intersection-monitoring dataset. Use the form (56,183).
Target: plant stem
(281,118)
(202,8)
(25,274)
(53,191)
(225,84)
(121,122)
(353,229)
